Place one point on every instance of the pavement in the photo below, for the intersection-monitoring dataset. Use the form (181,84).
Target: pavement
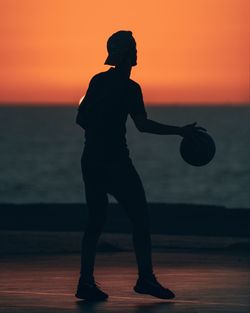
(203,280)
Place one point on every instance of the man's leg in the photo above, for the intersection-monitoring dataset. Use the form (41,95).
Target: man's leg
(129,192)
(97,203)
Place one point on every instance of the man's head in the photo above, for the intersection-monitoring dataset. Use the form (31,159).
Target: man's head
(121,45)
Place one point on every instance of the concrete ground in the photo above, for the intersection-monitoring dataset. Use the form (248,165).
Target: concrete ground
(204,281)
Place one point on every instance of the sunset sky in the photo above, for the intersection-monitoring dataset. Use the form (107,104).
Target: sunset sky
(189,51)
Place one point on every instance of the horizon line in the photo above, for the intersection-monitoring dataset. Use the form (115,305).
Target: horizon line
(147,104)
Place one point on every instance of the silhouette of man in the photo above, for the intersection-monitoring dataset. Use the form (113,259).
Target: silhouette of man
(107,167)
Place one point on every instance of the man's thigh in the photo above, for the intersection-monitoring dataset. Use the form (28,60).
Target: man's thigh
(95,191)
(126,186)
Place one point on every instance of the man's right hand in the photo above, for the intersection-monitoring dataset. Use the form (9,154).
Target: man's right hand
(190,129)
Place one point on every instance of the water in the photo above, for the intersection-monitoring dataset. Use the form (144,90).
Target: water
(41,149)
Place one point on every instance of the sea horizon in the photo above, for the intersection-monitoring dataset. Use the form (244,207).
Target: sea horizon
(147,104)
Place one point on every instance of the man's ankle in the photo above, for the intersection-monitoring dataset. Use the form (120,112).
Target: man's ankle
(146,276)
(86,279)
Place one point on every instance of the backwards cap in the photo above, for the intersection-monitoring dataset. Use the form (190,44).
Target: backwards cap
(118,45)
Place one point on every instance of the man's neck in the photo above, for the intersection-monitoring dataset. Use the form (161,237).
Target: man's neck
(124,68)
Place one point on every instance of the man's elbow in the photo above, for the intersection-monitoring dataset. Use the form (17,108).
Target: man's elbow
(79,121)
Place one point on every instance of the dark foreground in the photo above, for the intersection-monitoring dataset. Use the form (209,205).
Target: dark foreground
(203,282)
(171,219)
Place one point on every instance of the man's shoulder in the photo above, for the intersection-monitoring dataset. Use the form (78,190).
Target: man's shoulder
(104,76)
(97,77)
(134,86)
(134,83)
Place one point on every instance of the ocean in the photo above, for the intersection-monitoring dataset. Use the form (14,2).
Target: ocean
(41,149)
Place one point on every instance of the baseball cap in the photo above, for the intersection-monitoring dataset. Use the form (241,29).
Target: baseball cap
(118,45)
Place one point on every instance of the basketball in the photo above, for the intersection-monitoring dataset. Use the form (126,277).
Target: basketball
(197,149)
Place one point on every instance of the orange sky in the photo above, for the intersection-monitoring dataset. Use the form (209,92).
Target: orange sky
(188,50)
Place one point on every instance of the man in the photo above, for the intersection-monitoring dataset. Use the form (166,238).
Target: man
(108,169)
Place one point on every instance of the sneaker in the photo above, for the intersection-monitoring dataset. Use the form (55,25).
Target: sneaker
(90,291)
(151,286)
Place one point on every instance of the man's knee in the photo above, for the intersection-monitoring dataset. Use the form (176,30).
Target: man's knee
(140,220)
(97,215)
